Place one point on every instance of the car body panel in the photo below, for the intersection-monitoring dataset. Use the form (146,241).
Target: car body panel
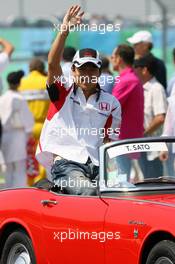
(74,214)
(136,213)
(23,207)
(135,217)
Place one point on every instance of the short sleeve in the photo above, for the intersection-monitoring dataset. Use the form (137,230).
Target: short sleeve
(168,129)
(59,88)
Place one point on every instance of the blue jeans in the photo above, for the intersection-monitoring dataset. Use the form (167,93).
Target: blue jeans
(75,178)
(150,168)
(169,164)
(124,165)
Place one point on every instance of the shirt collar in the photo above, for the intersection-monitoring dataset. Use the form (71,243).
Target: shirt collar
(126,71)
(148,84)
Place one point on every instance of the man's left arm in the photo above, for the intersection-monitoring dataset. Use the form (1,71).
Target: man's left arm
(159,103)
(156,122)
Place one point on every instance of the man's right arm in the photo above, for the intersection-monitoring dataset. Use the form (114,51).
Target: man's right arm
(7,50)
(7,47)
(54,58)
(55,55)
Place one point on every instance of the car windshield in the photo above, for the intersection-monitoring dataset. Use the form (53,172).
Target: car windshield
(140,165)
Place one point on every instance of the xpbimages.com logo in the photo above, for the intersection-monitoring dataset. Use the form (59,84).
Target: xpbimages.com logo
(84,235)
(101,28)
(103,79)
(80,132)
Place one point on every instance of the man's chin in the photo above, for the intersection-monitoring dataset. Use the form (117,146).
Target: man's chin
(87,86)
(115,68)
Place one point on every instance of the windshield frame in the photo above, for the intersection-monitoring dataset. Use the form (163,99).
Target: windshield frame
(103,175)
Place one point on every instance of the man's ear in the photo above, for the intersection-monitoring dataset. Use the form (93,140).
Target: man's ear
(144,70)
(120,60)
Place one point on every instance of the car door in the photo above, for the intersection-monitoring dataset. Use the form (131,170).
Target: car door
(70,224)
(125,219)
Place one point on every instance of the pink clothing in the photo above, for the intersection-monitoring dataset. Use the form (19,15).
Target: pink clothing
(129,92)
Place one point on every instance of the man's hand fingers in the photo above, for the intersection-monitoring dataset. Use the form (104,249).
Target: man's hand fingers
(73,9)
(73,16)
(70,10)
(81,14)
(76,11)
(163,156)
(79,18)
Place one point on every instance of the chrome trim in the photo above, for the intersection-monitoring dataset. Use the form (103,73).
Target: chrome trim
(46,202)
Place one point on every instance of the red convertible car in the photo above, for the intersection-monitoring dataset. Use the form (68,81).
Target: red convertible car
(131,220)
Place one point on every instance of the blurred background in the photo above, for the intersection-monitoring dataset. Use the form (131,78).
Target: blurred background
(29,26)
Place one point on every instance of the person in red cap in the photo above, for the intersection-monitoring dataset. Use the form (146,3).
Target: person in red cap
(81,116)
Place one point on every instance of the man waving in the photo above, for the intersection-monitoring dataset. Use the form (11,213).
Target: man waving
(81,116)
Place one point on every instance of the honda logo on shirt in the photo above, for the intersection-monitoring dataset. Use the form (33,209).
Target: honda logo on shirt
(104,106)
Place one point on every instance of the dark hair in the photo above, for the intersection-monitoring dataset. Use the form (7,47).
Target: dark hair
(68,53)
(37,65)
(14,78)
(147,61)
(174,53)
(105,63)
(126,52)
(150,46)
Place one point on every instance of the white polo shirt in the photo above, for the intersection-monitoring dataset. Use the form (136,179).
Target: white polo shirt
(75,128)
(169,124)
(155,103)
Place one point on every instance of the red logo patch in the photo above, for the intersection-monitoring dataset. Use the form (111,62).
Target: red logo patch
(87,54)
(104,106)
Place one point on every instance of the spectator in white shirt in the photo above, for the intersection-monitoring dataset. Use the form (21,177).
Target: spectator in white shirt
(17,123)
(155,107)
(171,83)
(169,131)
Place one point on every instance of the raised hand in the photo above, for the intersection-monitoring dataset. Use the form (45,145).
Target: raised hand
(73,17)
